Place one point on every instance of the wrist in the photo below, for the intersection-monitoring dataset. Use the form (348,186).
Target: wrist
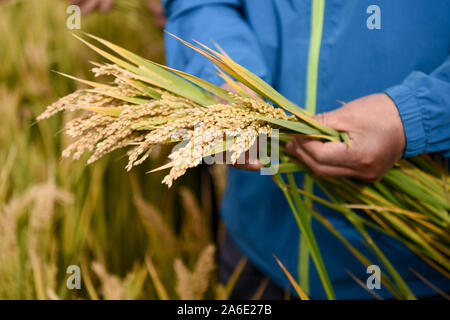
(395,123)
(411,118)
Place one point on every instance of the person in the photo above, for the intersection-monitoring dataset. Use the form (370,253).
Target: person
(389,62)
(88,6)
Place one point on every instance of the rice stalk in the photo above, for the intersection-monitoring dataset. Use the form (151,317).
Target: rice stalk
(150,105)
(192,285)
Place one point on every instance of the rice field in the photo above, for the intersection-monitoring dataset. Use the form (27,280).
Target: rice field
(129,236)
(147,107)
(56,212)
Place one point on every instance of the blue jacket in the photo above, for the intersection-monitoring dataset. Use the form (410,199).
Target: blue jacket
(287,42)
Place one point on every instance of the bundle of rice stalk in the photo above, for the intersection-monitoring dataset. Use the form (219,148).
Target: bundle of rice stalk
(409,204)
(150,105)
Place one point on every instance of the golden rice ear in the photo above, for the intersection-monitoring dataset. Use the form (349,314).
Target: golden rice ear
(112,112)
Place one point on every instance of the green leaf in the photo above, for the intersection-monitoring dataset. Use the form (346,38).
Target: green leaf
(298,289)
(290,167)
(155,72)
(146,90)
(258,85)
(218,91)
(291,125)
(112,112)
(300,211)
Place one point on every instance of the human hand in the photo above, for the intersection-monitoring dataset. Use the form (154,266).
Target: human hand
(157,11)
(87,6)
(376,136)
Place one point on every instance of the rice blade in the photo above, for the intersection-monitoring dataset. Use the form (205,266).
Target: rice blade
(190,90)
(300,292)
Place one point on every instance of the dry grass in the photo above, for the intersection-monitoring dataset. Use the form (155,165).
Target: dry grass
(55,213)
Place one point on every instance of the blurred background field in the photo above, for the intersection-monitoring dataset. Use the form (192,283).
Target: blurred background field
(132,237)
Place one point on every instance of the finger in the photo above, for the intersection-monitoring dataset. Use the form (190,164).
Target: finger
(160,21)
(249,167)
(87,6)
(336,171)
(157,11)
(325,170)
(249,161)
(106,5)
(337,119)
(327,153)
(155,7)
(247,164)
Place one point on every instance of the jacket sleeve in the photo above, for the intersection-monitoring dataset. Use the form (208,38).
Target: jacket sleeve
(423,101)
(210,22)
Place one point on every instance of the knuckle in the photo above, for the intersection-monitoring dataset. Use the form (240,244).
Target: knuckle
(367,160)
(298,155)
(319,171)
(316,155)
